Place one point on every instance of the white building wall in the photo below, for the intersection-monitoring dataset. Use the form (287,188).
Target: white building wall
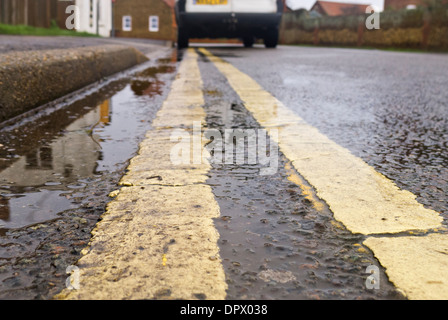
(105,18)
(90,21)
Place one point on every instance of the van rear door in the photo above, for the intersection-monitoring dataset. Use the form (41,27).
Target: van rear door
(254,6)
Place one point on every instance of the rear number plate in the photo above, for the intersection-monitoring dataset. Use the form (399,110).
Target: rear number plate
(218,2)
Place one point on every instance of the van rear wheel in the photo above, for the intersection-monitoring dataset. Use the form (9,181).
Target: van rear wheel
(182,39)
(271,38)
(249,41)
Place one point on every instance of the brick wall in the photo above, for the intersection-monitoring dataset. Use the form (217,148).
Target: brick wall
(140,11)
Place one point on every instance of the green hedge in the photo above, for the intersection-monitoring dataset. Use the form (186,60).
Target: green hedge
(388,19)
(35,31)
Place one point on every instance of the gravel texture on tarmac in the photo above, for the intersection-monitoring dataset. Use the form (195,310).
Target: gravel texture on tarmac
(273,242)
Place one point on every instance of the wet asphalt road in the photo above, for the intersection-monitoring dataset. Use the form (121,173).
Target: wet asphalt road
(388,108)
(274,243)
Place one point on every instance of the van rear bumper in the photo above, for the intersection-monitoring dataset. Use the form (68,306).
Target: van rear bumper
(227,25)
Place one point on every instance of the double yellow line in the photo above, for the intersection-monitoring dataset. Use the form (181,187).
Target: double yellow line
(157,238)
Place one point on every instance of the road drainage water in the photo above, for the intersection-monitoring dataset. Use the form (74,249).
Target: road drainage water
(45,161)
(57,169)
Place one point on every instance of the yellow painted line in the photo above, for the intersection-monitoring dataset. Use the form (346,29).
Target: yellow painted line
(157,239)
(306,189)
(363,200)
(416,264)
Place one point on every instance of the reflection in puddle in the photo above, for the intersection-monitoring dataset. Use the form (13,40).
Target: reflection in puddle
(152,72)
(147,83)
(30,208)
(147,88)
(42,161)
(72,155)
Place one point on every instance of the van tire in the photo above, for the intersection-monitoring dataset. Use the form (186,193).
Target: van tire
(249,41)
(271,38)
(182,39)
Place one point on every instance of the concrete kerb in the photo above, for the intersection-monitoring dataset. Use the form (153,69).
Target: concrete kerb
(33,78)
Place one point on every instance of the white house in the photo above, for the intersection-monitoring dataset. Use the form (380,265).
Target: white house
(95,16)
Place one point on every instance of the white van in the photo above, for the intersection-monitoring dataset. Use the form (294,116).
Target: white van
(243,19)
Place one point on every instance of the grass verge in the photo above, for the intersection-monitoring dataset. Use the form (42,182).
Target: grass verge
(35,31)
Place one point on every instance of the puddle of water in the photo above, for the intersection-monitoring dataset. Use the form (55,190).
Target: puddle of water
(147,88)
(152,72)
(31,208)
(45,159)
